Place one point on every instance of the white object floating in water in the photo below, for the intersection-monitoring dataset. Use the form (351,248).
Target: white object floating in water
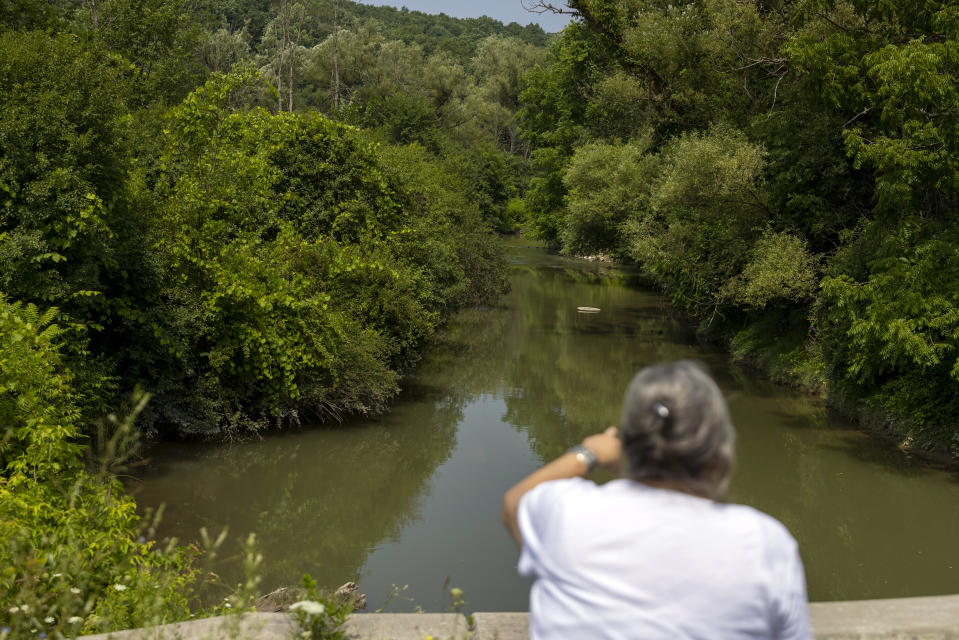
(587,309)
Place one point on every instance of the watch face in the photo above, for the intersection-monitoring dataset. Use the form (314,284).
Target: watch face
(587,457)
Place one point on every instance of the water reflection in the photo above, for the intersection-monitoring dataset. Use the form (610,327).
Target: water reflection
(412,497)
(569,371)
(318,500)
(870,522)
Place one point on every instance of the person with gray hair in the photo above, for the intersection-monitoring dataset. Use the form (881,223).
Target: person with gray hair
(654,553)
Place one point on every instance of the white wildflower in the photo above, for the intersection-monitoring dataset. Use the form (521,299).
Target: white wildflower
(228,605)
(14,609)
(24,608)
(309,607)
(120,587)
(74,620)
(56,575)
(49,620)
(74,591)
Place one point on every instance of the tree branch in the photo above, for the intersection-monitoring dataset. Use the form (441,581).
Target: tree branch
(578,9)
(854,118)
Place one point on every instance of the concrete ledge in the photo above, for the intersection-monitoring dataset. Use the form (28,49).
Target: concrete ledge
(933,618)
(408,626)
(279,626)
(262,626)
(501,626)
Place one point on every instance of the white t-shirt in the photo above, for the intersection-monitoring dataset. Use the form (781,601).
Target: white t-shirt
(628,561)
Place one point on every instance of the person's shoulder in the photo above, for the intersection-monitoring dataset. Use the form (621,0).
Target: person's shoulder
(564,486)
(548,501)
(774,533)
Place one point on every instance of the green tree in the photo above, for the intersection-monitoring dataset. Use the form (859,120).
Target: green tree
(498,66)
(63,123)
(294,272)
(224,48)
(160,37)
(705,212)
(608,186)
(32,14)
(71,562)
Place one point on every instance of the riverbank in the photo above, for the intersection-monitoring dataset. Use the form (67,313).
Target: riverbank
(935,618)
(789,358)
(793,363)
(503,389)
(786,204)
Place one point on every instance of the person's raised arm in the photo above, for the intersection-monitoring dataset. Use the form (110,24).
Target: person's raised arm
(605,446)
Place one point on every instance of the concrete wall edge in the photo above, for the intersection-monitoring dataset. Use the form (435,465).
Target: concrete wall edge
(920,618)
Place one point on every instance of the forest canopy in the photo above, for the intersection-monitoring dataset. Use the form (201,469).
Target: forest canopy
(218,217)
(786,170)
(256,211)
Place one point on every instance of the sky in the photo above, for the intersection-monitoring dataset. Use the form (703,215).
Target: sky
(505,10)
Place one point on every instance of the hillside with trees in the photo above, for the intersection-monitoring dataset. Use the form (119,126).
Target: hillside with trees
(175,170)
(785,170)
(219,218)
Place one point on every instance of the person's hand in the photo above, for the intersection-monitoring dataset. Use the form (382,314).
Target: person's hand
(607,447)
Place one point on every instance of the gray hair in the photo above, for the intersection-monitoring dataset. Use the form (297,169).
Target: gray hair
(675,427)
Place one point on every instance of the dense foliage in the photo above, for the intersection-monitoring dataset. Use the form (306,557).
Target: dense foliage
(189,207)
(242,257)
(297,271)
(72,560)
(787,171)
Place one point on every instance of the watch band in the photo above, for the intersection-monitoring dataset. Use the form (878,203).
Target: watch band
(585,455)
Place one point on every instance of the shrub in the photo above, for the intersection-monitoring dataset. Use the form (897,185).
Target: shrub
(607,185)
(298,269)
(70,558)
(61,164)
(704,212)
(780,268)
(891,335)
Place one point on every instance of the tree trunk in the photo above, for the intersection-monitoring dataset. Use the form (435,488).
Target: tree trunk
(283,38)
(289,84)
(336,55)
(293,46)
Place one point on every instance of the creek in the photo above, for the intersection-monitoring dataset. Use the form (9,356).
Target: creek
(412,497)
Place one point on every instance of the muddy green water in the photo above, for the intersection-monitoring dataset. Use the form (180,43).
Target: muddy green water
(412,497)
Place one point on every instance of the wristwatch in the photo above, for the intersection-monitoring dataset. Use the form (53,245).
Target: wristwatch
(585,455)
